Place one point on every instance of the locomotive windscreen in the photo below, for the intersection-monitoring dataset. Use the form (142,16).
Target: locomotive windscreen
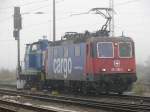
(104,49)
(125,50)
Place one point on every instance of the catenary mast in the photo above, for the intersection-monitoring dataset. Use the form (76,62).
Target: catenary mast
(54,21)
(112,27)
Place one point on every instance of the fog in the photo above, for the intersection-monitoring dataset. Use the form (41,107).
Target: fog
(131,17)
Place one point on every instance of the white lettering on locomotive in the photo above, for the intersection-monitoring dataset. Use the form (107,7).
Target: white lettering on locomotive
(62,66)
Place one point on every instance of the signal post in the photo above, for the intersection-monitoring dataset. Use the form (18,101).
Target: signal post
(16,35)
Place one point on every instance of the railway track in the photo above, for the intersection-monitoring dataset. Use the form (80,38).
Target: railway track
(140,99)
(7,107)
(12,86)
(113,106)
(4,109)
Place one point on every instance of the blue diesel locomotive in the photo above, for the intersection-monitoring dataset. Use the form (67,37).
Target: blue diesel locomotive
(32,73)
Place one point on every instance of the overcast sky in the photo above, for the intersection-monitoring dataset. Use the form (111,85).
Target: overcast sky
(132,17)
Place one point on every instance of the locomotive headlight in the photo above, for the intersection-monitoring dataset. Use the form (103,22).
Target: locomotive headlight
(116,44)
(103,70)
(129,70)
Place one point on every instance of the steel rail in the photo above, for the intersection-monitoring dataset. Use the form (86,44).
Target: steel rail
(127,97)
(4,109)
(24,106)
(120,107)
(13,86)
(141,99)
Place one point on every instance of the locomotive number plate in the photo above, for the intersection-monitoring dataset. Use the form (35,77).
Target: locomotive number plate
(117,69)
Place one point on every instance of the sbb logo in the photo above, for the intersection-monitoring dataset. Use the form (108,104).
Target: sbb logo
(62,66)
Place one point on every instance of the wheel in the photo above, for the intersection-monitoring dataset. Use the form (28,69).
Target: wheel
(84,89)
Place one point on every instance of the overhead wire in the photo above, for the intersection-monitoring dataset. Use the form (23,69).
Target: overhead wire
(26,4)
(119,4)
(34,2)
(37,9)
(127,2)
(29,3)
(23,13)
(45,6)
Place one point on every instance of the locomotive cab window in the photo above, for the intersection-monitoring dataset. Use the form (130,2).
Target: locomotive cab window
(34,47)
(105,50)
(125,50)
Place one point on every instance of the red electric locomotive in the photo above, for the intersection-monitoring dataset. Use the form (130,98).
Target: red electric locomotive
(111,62)
(91,62)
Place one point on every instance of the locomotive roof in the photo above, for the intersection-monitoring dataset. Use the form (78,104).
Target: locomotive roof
(75,38)
(92,39)
(39,41)
(112,39)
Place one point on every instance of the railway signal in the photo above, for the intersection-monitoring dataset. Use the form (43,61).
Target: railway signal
(17,19)
(17,23)
(16,34)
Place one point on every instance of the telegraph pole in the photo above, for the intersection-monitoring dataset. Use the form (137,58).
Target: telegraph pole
(54,20)
(112,27)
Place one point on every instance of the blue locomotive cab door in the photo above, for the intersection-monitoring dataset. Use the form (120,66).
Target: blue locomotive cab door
(35,61)
(33,55)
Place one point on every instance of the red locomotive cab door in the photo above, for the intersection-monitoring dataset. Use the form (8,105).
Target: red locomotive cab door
(89,63)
